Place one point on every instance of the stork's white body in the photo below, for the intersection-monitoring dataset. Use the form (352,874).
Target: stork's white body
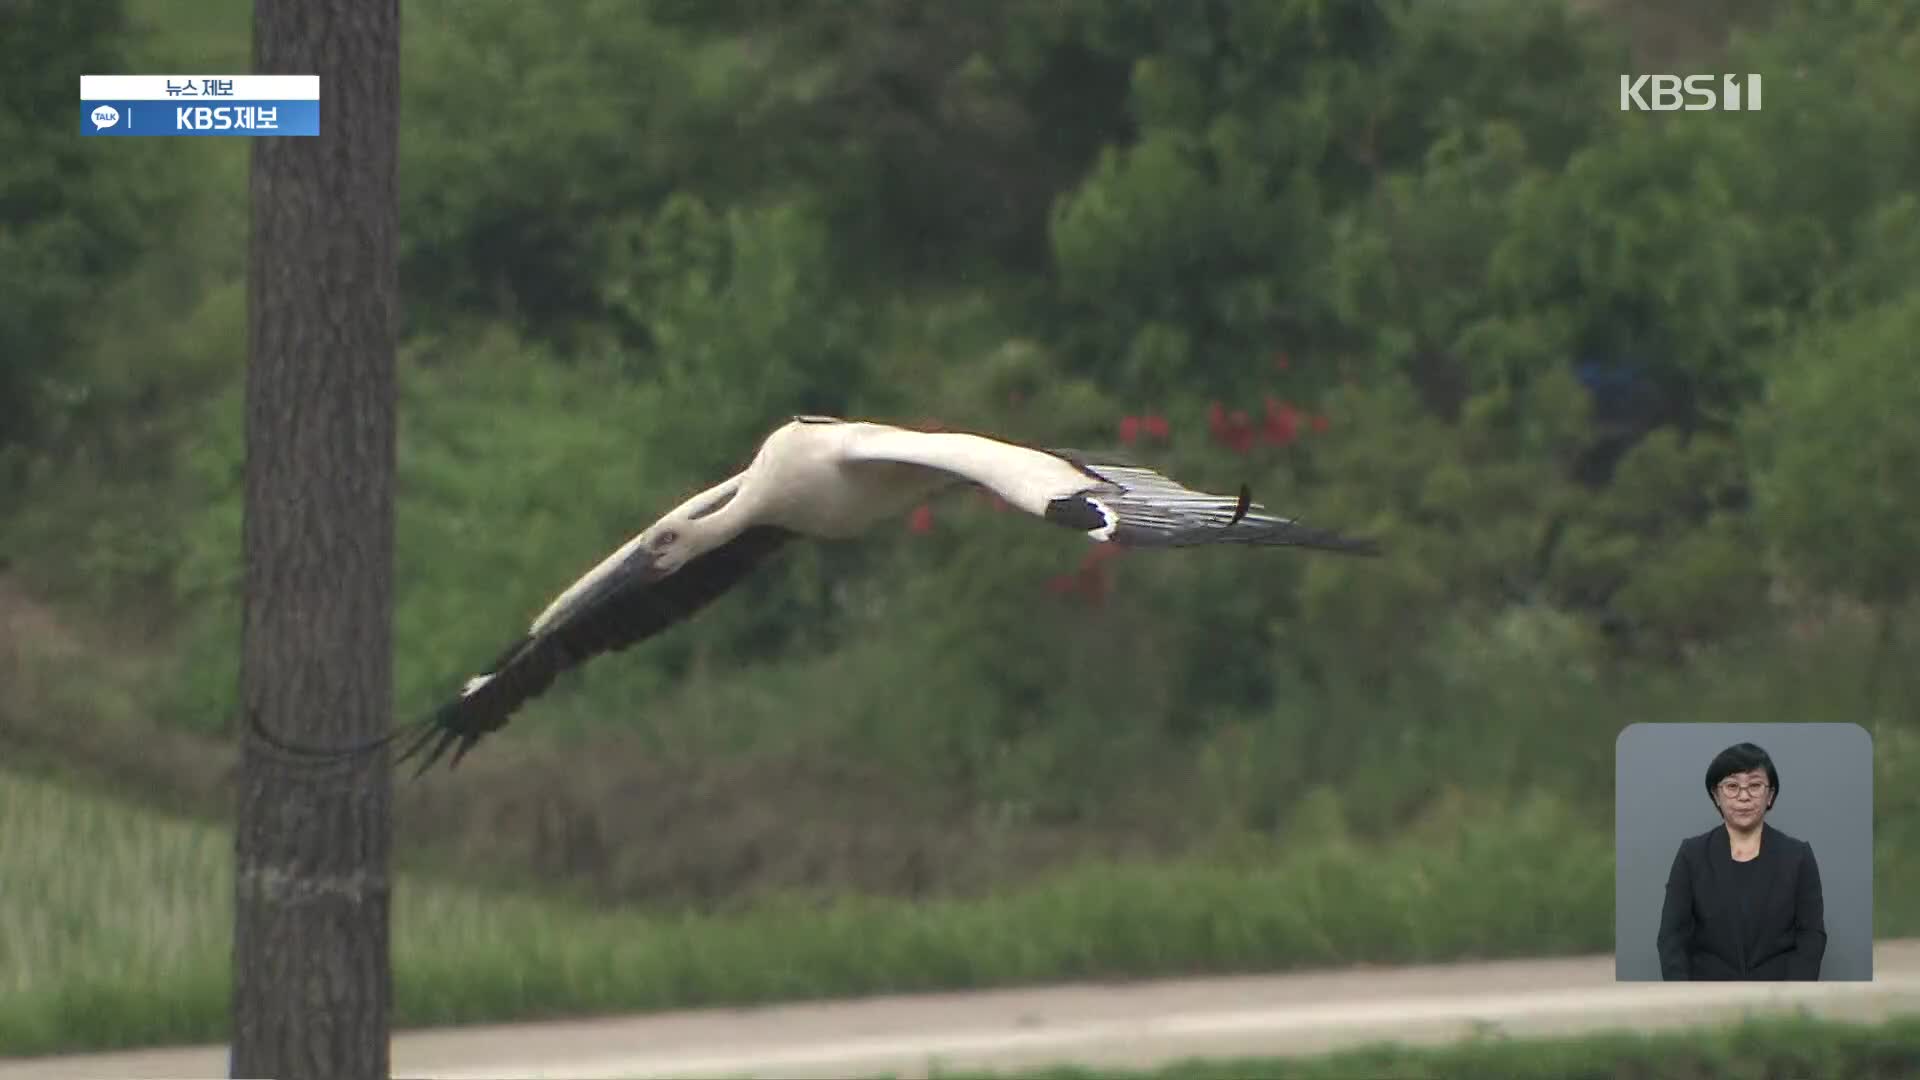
(837,480)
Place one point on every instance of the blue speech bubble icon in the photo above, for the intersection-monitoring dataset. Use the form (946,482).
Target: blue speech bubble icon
(105,117)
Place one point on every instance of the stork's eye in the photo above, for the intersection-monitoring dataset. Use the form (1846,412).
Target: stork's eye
(665,537)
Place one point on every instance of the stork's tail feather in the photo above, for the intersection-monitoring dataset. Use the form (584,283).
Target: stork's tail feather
(439,733)
(483,704)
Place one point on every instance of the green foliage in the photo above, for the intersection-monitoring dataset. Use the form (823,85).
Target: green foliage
(719,295)
(1839,454)
(1886,261)
(1410,263)
(73,212)
(1278,140)
(934,136)
(505,208)
(1667,549)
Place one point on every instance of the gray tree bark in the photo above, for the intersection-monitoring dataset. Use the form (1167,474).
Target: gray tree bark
(312,990)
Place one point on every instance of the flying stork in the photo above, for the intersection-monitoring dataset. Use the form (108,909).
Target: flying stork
(828,479)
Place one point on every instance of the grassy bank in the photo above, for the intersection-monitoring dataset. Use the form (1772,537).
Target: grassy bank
(114,926)
(1798,1047)
(838,773)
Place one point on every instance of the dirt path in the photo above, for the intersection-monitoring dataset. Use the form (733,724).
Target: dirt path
(1133,1025)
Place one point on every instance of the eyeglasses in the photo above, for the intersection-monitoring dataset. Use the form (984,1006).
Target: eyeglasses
(1730,789)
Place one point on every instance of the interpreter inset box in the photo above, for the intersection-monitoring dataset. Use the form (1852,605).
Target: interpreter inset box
(1743,852)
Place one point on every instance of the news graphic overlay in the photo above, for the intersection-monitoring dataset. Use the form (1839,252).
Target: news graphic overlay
(1743,851)
(176,105)
(1693,93)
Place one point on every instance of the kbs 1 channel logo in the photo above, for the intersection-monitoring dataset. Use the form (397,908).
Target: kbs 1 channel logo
(177,105)
(1693,93)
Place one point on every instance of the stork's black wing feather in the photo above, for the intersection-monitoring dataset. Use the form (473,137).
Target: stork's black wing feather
(624,609)
(1149,510)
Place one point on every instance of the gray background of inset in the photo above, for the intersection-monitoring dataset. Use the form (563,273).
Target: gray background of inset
(1825,798)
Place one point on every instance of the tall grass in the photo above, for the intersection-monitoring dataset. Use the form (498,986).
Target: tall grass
(874,768)
(114,926)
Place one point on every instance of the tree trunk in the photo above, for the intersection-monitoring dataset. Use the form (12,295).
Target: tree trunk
(312,986)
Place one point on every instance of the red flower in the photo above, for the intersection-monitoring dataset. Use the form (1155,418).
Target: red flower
(1319,422)
(1090,580)
(1229,430)
(1156,425)
(1283,422)
(1129,429)
(921,520)
(1234,430)
(1093,584)
(1280,361)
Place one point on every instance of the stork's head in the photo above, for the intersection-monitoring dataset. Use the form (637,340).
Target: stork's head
(691,529)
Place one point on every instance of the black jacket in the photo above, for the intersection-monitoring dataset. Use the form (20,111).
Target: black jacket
(1708,930)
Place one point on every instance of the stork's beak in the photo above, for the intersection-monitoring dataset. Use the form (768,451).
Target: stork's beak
(646,568)
(638,567)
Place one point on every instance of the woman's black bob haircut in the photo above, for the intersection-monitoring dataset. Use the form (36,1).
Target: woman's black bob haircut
(1738,758)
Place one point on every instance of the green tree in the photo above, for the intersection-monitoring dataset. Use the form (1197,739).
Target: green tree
(935,136)
(70,214)
(597,113)
(1666,552)
(1837,455)
(1191,253)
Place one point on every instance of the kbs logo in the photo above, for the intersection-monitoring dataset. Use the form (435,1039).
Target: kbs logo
(1666,93)
(226,117)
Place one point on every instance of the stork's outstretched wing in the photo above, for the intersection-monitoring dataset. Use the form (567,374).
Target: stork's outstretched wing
(1146,509)
(1109,500)
(625,605)
(620,603)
